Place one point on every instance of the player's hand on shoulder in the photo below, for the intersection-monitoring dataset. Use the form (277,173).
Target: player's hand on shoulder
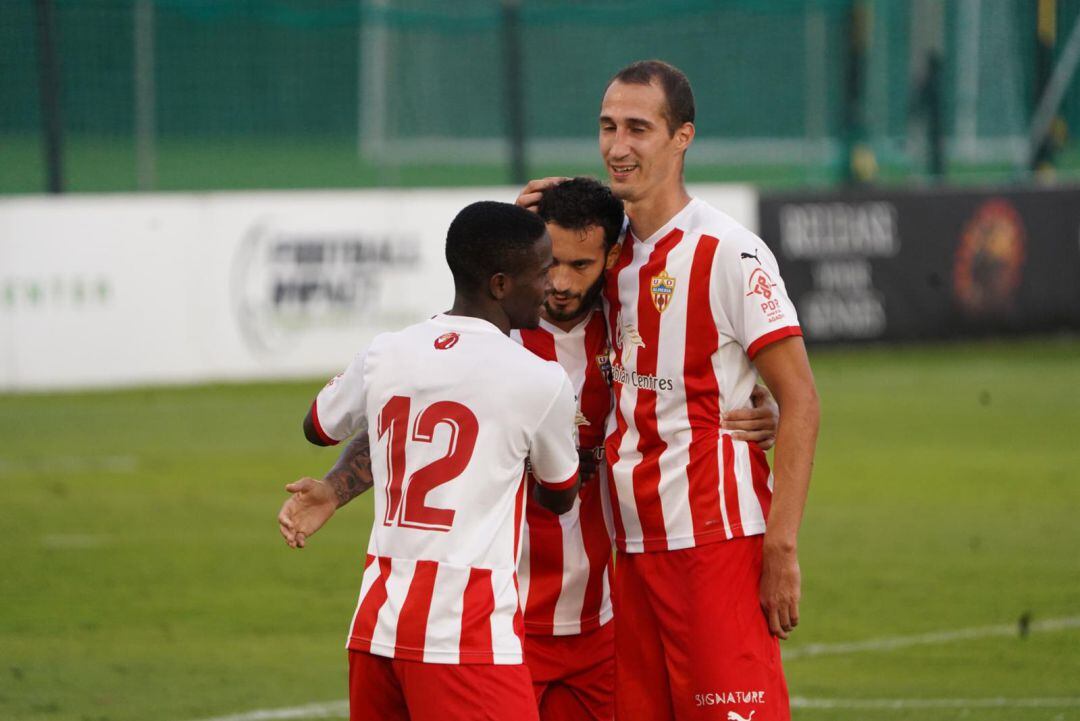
(758,423)
(304,512)
(529,198)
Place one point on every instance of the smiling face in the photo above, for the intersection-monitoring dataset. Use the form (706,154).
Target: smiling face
(577,271)
(640,150)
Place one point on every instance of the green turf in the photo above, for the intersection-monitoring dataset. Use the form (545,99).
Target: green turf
(107,164)
(144,579)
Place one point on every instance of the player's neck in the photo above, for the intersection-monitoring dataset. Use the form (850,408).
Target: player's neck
(565,325)
(652,212)
(484,310)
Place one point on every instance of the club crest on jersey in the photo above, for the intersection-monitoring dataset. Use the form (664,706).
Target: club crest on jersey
(603,363)
(446,341)
(662,288)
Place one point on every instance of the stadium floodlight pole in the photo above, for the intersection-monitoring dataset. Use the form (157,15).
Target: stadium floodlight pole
(514,90)
(49,92)
(145,96)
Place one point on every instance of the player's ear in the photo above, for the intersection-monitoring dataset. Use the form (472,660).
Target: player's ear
(499,286)
(684,135)
(612,256)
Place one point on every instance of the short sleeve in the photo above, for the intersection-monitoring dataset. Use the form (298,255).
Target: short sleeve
(553,452)
(338,410)
(752,293)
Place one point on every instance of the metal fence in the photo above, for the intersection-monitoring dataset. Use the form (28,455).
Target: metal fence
(202,94)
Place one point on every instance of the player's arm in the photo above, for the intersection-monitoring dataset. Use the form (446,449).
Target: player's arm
(312,433)
(558,501)
(786,370)
(757,423)
(553,454)
(312,501)
(337,411)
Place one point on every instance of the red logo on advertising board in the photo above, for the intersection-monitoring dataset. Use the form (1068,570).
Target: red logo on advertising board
(446,341)
(989,259)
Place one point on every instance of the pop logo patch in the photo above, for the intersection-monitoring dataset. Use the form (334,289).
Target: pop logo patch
(761,284)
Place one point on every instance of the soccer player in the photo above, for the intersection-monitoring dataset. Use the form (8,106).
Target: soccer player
(450,409)
(708,577)
(565,568)
(566,563)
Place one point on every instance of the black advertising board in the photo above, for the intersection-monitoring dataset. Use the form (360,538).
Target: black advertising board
(933,263)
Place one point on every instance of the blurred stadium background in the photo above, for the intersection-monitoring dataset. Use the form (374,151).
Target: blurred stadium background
(164,322)
(199,95)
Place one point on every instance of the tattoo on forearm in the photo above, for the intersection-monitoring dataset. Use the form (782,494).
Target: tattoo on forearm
(351,475)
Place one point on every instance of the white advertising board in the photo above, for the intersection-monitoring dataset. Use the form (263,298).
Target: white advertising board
(143,289)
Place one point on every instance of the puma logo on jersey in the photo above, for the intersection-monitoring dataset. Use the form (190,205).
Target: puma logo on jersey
(734,716)
(744,256)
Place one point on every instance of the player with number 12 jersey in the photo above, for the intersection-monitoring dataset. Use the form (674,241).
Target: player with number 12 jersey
(453,408)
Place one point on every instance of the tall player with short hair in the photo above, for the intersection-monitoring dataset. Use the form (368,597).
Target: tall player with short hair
(708,575)
(450,409)
(566,565)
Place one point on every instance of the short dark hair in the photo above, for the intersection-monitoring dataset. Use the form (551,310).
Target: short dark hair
(579,203)
(488,238)
(676,87)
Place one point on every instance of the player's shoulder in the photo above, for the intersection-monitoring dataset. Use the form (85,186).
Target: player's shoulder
(545,371)
(736,242)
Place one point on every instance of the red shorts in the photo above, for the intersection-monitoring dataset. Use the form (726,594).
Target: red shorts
(574,676)
(691,640)
(387,689)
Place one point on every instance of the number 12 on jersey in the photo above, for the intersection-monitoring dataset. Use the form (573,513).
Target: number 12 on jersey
(405,506)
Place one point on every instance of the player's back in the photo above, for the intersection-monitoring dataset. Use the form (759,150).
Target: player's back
(454,408)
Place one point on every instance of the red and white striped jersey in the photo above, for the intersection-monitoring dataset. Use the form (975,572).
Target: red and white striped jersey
(565,567)
(687,311)
(453,409)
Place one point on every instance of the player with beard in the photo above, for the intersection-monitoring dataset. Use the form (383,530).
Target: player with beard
(565,570)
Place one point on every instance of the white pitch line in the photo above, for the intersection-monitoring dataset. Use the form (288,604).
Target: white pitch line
(924,639)
(327,709)
(340,709)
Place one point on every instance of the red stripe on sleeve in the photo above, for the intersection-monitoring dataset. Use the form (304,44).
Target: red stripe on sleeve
(771,337)
(559,485)
(478,605)
(318,426)
(545,567)
(368,613)
(413,617)
(646,475)
(731,488)
(539,342)
(702,395)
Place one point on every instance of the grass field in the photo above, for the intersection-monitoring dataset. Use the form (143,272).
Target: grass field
(143,577)
(108,164)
